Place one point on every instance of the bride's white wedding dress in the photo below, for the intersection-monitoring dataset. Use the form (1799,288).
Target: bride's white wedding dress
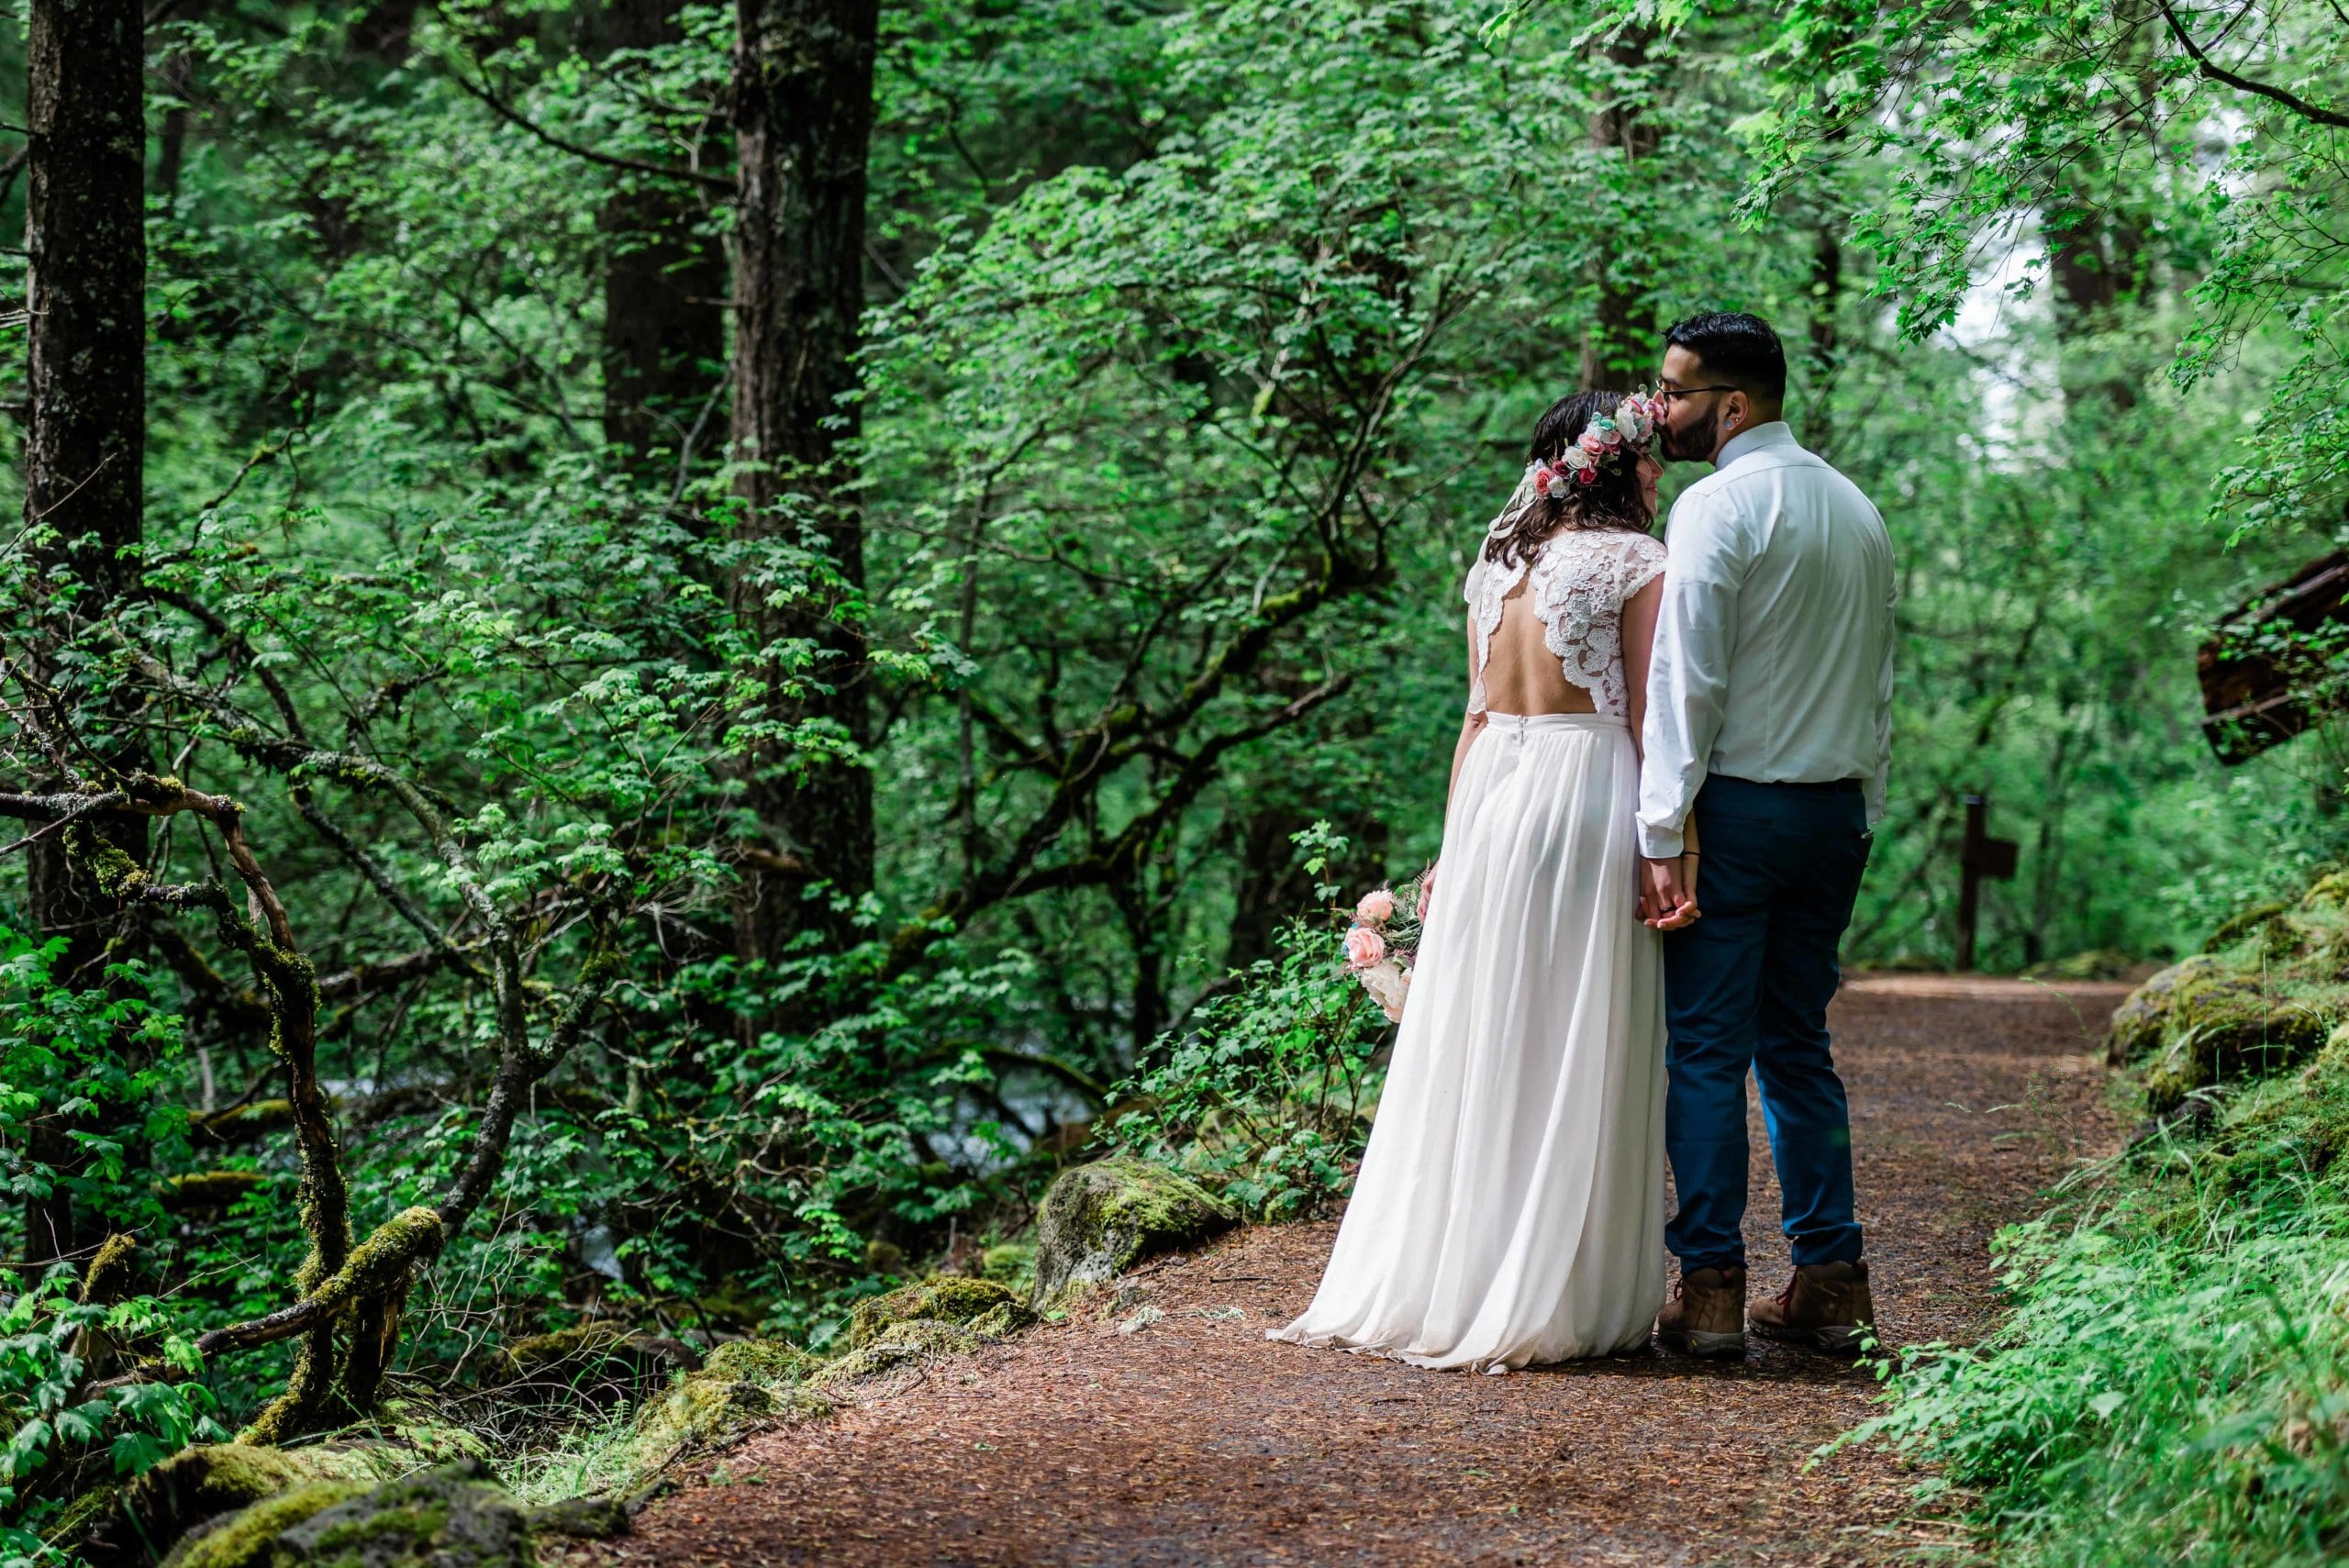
(1510,1208)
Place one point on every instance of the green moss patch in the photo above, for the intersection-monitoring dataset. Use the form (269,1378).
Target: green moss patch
(762,1361)
(248,1539)
(1102,1219)
(448,1518)
(906,1344)
(2270,993)
(212,1479)
(948,1298)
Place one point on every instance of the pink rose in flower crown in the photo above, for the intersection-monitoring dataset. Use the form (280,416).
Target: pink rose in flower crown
(1377,908)
(1589,441)
(1364,947)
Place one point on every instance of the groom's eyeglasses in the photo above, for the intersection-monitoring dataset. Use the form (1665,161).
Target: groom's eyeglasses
(1666,394)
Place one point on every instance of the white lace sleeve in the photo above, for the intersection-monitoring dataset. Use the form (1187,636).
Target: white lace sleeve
(1642,562)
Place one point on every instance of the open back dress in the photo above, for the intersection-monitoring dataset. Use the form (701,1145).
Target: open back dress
(1509,1207)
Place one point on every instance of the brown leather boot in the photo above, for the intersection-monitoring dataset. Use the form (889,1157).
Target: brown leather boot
(1706,1316)
(1824,1306)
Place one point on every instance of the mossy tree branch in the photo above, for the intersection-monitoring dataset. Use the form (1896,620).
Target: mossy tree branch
(359,1291)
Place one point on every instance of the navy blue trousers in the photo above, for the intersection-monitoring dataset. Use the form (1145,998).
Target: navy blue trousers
(1747,986)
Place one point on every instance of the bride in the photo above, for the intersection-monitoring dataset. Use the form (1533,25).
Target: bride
(1509,1207)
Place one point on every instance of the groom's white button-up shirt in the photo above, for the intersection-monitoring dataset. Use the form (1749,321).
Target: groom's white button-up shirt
(1773,655)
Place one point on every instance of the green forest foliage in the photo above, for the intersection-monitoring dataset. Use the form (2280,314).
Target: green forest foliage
(1201,345)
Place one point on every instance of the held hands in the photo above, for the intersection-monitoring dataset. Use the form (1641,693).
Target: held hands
(1668,893)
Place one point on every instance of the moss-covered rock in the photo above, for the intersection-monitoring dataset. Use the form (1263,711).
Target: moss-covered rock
(732,1396)
(2139,1023)
(1099,1219)
(210,1480)
(248,1537)
(900,1344)
(452,1517)
(2224,1026)
(766,1362)
(949,1298)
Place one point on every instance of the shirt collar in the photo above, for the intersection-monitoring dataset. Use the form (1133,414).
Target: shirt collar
(1774,433)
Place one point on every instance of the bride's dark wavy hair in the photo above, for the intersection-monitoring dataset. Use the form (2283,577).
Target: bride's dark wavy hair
(1613,500)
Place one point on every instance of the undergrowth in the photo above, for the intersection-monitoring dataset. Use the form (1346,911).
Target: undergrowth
(2172,1384)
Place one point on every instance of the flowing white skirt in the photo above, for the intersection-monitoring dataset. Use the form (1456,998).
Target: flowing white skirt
(1509,1207)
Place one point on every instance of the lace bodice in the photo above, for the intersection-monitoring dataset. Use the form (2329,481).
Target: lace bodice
(1579,579)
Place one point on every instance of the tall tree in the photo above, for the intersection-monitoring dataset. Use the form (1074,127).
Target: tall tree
(85,448)
(803,124)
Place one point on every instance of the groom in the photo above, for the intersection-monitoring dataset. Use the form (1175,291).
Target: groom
(1768,734)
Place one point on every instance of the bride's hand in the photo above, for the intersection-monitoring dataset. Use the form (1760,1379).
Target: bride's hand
(1668,893)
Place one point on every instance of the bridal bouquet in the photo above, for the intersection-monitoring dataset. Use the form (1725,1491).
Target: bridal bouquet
(1384,939)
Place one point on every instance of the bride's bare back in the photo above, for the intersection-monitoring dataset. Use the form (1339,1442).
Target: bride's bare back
(1565,629)
(1522,675)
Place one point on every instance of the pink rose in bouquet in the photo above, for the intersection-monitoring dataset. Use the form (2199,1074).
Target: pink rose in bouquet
(1377,908)
(1364,947)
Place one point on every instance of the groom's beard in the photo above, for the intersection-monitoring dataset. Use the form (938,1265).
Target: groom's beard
(1677,447)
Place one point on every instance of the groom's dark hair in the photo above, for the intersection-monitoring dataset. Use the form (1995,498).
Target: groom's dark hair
(1737,349)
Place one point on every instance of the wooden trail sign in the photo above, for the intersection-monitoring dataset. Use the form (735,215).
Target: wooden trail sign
(1982,859)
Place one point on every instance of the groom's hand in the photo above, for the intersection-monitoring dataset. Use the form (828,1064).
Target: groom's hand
(1667,902)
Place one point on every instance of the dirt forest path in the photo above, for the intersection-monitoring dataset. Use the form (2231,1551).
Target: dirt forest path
(1196,1440)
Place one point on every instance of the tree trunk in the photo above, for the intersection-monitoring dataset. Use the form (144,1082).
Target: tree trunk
(1826,301)
(85,445)
(662,286)
(171,144)
(1619,346)
(803,121)
(387,30)
(2096,255)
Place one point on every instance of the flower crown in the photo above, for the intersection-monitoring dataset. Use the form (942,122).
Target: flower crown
(1602,443)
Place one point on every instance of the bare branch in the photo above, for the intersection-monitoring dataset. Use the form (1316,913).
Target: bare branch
(2316,112)
(717,183)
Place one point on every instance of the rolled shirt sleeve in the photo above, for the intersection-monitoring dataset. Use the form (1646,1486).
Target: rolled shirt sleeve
(1689,670)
